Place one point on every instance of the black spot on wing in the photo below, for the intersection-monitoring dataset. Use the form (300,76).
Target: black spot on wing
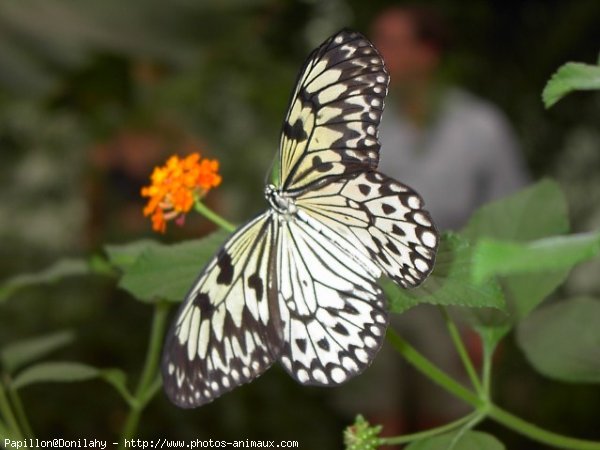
(320,166)
(364,189)
(341,329)
(398,231)
(301,343)
(255,282)
(295,131)
(225,268)
(387,209)
(202,301)
(323,344)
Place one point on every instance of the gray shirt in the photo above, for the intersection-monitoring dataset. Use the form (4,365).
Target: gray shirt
(468,155)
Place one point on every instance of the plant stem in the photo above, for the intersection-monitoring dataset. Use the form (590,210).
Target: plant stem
(20,412)
(539,434)
(9,416)
(488,352)
(428,433)
(484,405)
(4,433)
(432,372)
(147,383)
(213,216)
(461,350)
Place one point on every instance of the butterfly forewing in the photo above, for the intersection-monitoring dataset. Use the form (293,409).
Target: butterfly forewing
(332,309)
(226,333)
(331,125)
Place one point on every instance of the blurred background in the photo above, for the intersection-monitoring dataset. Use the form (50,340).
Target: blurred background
(94,94)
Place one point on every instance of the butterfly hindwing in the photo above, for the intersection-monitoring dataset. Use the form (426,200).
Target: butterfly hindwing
(331,125)
(226,332)
(333,312)
(383,217)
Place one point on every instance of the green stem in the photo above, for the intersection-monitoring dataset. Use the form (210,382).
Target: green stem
(147,383)
(20,412)
(461,350)
(432,372)
(478,417)
(8,414)
(5,432)
(490,342)
(213,216)
(539,434)
(483,405)
(428,433)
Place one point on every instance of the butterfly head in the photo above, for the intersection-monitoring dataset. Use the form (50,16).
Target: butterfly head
(279,201)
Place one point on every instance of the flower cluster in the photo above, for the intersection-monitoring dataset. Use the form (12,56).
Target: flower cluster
(361,435)
(176,186)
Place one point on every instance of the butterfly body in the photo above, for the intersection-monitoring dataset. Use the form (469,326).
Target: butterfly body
(298,283)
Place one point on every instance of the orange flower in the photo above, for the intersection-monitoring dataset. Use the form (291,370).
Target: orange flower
(176,186)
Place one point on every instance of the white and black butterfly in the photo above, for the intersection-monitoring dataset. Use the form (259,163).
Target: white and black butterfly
(298,284)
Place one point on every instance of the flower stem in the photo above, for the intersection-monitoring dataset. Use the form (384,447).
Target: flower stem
(484,406)
(147,385)
(428,433)
(461,350)
(213,216)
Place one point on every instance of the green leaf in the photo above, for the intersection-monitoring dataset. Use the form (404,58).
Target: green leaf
(471,440)
(562,341)
(450,282)
(56,372)
(166,272)
(63,268)
(571,77)
(125,255)
(69,372)
(533,213)
(18,354)
(492,257)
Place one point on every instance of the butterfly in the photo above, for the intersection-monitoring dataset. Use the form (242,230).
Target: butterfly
(298,283)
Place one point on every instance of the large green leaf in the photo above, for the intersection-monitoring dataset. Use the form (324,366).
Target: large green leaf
(450,282)
(63,268)
(69,372)
(125,255)
(493,257)
(166,272)
(56,372)
(571,77)
(533,213)
(562,341)
(470,440)
(18,354)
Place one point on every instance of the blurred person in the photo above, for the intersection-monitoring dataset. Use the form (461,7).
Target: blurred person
(459,152)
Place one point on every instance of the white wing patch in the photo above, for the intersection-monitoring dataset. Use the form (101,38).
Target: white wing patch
(332,309)
(226,332)
(384,218)
(331,125)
